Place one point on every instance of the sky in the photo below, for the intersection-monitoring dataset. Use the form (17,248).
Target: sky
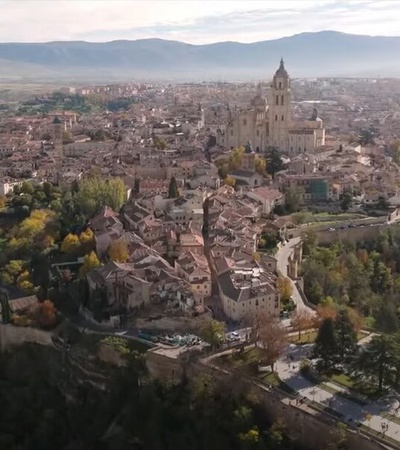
(192,21)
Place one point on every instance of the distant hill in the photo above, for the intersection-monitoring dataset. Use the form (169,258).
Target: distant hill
(325,53)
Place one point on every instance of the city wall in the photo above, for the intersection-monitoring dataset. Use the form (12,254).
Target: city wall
(352,234)
(310,428)
(12,336)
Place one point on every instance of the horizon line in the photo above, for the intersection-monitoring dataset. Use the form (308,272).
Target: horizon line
(195,45)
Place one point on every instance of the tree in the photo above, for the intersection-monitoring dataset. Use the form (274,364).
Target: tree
(159,144)
(118,251)
(292,201)
(173,189)
(274,161)
(27,188)
(236,158)
(309,240)
(273,340)
(376,360)
(325,348)
(86,237)
(214,332)
(95,192)
(70,243)
(44,314)
(261,165)
(346,200)
(285,288)
(229,181)
(301,320)
(90,262)
(346,337)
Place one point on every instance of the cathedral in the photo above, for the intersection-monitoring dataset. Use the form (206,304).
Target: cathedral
(269,124)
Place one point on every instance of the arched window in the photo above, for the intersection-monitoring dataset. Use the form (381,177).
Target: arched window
(281,99)
(283,118)
(277,100)
(280,85)
(276,117)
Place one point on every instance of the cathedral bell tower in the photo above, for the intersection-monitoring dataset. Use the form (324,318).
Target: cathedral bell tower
(279,109)
(58,128)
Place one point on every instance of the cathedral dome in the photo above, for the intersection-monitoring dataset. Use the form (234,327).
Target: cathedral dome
(258,101)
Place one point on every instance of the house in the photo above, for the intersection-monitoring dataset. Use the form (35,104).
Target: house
(268,197)
(195,269)
(246,289)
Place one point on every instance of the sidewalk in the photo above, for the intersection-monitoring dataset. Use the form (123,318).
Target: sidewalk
(289,372)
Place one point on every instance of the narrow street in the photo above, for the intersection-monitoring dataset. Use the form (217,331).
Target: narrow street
(282,257)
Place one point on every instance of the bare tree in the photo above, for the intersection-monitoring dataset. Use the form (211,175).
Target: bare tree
(302,320)
(273,340)
(266,333)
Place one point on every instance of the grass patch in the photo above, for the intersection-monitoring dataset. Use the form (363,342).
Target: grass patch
(244,358)
(356,386)
(305,338)
(273,379)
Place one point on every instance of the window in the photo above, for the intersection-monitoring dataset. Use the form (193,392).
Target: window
(283,118)
(244,121)
(258,133)
(276,117)
(281,99)
(280,85)
(277,100)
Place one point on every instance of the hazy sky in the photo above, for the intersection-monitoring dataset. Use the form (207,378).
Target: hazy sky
(191,20)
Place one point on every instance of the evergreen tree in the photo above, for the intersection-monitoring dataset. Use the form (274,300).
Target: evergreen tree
(173,189)
(325,349)
(377,361)
(346,337)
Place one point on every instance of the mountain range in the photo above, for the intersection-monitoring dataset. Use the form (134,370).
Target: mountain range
(320,54)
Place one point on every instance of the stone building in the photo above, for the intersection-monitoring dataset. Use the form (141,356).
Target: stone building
(269,123)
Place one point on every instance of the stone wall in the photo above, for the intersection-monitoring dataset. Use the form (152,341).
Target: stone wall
(12,336)
(175,324)
(352,234)
(310,428)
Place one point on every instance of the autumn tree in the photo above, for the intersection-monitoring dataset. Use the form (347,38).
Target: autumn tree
(86,236)
(236,159)
(285,288)
(273,340)
(44,314)
(214,332)
(302,320)
(229,181)
(118,251)
(70,243)
(90,262)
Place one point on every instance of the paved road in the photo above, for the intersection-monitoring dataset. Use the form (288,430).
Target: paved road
(282,257)
(289,372)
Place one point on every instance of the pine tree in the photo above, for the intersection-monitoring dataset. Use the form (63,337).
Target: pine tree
(173,189)
(325,349)
(346,337)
